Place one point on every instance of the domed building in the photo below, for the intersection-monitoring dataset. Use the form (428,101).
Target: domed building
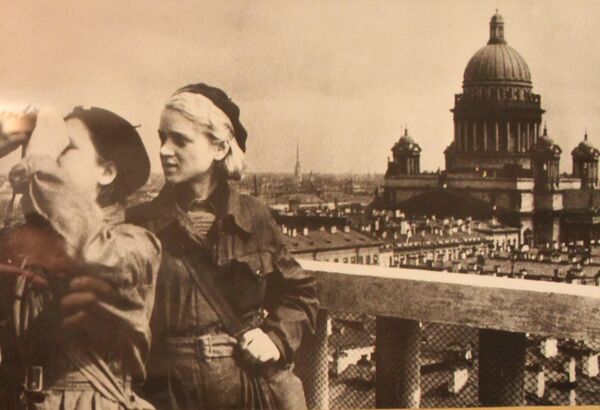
(585,163)
(500,162)
(406,156)
(497,117)
(545,162)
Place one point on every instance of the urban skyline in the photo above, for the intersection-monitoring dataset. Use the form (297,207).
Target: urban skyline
(343,79)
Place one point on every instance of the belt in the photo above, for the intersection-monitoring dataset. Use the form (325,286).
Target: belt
(203,347)
(215,327)
(35,381)
(77,381)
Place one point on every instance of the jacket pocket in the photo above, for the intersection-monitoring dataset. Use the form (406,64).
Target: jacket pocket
(244,280)
(259,263)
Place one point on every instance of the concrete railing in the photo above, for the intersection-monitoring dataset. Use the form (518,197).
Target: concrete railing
(504,309)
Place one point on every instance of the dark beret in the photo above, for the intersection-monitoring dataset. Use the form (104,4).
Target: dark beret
(118,141)
(225,104)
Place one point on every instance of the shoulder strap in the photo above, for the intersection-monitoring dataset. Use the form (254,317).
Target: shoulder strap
(204,273)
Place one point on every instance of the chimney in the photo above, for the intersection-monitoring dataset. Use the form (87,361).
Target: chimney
(305,231)
(346,228)
(333,229)
(294,232)
(284,229)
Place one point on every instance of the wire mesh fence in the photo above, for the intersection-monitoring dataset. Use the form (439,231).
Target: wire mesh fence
(552,371)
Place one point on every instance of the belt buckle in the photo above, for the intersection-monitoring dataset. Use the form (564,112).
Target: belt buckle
(204,346)
(34,379)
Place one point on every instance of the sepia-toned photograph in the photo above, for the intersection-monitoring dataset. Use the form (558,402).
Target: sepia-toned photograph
(287,205)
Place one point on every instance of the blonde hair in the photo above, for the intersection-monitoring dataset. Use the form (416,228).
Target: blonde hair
(204,113)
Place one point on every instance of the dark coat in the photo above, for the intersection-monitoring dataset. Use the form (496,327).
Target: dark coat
(258,271)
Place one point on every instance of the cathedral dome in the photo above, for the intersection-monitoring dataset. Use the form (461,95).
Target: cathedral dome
(497,62)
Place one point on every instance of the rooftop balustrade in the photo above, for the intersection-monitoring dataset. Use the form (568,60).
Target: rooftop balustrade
(444,339)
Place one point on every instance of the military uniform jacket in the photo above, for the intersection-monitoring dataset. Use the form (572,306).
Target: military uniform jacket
(257,272)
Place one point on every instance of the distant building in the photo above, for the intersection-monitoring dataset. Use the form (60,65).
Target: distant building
(332,244)
(501,163)
(297,168)
(406,159)
(351,343)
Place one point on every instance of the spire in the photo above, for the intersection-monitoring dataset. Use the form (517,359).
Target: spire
(545,130)
(298,169)
(585,135)
(497,29)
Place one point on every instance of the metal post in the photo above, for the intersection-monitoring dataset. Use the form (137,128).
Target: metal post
(313,368)
(501,368)
(398,352)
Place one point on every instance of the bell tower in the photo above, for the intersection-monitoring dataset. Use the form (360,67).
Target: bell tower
(585,163)
(545,161)
(406,157)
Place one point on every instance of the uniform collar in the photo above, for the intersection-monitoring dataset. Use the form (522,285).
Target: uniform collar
(225,200)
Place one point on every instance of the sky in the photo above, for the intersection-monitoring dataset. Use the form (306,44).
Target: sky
(340,77)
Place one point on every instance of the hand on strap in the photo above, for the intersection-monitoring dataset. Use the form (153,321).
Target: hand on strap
(257,347)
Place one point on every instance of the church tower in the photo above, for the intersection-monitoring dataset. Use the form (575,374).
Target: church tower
(547,197)
(298,169)
(406,157)
(585,163)
(545,161)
